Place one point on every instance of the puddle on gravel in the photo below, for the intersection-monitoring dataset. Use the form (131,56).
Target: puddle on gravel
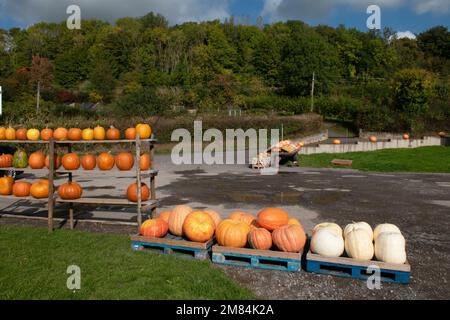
(288,198)
(327,198)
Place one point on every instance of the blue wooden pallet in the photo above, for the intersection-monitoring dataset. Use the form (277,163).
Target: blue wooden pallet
(261,259)
(172,245)
(350,268)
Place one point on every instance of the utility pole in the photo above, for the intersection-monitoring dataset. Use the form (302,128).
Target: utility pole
(1,107)
(312,91)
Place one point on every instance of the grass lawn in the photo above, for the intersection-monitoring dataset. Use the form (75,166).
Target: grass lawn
(426,159)
(33,265)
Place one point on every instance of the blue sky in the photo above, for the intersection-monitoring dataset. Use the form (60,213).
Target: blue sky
(402,15)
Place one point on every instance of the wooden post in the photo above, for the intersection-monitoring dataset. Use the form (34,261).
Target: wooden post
(51,191)
(312,91)
(71,224)
(138,181)
(152,181)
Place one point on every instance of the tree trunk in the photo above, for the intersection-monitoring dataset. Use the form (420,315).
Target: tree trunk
(38,96)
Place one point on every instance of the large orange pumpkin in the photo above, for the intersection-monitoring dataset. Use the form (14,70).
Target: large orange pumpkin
(6,186)
(36,160)
(232,233)
(40,189)
(337,141)
(176,219)
(132,193)
(2,133)
(99,133)
(215,216)
(272,218)
(130,133)
(405,136)
(242,216)
(259,238)
(60,134)
(21,189)
(46,134)
(57,162)
(10,134)
(75,134)
(87,134)
(113,133)
(145,162)
(198,226)
(105,161)
(6,161)
(71,161)
(70,191)
(156,228)
(21,134)
(373,139)
(144,130)
(124,161)
(165,216)
(88,162)
(289,238)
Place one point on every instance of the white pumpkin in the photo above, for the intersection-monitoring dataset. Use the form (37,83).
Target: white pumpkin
(390,247)
(359,245)
(327,243)
(328,225)
(359,225)
(385,227)
(176,219)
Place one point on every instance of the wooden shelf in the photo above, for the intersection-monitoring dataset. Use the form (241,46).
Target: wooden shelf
(25,141)
(152,140)
(23,198)
(108,201)
(114,172)
(27,170)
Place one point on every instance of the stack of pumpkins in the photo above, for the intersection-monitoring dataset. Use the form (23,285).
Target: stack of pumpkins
(75,134)
(271,228)
(360,242)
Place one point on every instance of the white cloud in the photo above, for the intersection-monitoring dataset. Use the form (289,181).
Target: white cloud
(433,6)
(177,11)
(405,34)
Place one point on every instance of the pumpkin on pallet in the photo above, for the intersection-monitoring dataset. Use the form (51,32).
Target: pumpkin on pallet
(215,216)
(176,219)
(156,228)
(260,238)
(242,217)
(199,226)
(165,216)
(289,238)
(272,218)
(233,233)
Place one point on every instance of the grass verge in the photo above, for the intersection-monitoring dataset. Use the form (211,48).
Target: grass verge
(33,265)
(426,159)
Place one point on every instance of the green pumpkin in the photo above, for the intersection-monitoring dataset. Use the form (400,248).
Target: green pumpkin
(20,159)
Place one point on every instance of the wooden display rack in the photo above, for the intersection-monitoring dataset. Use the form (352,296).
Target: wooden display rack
(50,173)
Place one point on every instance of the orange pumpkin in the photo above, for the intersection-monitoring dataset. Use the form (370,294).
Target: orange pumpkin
(130,133)
(75,134)
(21,189)
(259,238)
(145,162)
(132,193)
(373,139)
(442,134)
(294,221)
(144,131)
(113,133)
(124,161)
(105,161)
(289,238)
(21,134)
(87,134)
(88,162)
(6,186)
(70,191)
(99,133)
(2,133)
(60,134)
(156,228)
(242,216)
(215,216)
(71,161)
(40,189)
(10,134)
(57,162)
(165,216)
(232,233)
(176,219)
(337,141)
(405,136)
(272,218)
(6,161)
(36,160)
(199,226)
(46,134)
